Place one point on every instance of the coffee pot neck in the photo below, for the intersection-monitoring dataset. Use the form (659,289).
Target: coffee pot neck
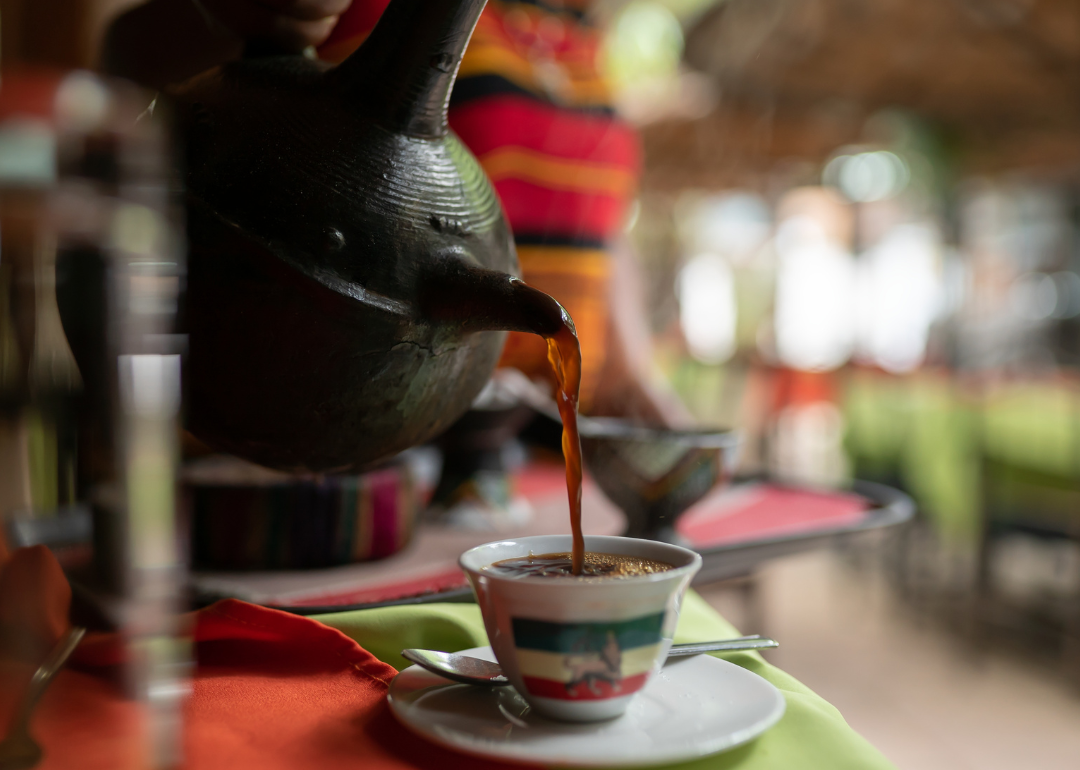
(405,70)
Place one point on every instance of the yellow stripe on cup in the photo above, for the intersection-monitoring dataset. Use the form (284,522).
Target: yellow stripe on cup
(555,665)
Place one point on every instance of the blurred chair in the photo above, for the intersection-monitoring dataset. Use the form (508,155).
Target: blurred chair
(1030,486)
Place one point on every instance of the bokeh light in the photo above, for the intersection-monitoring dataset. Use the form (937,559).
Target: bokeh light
(815,297)
(868,176)
(645,42)
(707,308)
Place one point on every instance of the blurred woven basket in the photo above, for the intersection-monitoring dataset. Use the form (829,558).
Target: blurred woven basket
(245,517)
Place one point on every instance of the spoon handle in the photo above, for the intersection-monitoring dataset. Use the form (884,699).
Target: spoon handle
(755,642)
(44,675)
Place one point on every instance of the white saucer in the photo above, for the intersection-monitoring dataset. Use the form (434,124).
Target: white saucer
(694,707)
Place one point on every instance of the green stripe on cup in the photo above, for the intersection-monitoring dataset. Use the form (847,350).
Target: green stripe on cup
(586,637)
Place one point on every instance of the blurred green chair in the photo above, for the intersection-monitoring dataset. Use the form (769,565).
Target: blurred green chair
(1030,485)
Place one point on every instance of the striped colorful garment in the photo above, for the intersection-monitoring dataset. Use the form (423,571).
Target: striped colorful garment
(531,104)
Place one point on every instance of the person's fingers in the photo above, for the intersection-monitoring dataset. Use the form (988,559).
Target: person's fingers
(298,35)
(243,18)
(307,10)
(249,19)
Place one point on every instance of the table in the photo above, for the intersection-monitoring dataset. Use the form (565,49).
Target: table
(812,735)
(735,529)
(271,672)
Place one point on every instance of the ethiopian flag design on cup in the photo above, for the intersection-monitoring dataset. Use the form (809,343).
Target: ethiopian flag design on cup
(587,661)
(576,648)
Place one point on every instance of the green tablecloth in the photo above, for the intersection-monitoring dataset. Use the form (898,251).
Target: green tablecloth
(812,735)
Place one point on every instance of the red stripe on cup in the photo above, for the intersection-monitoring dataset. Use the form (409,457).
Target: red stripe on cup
(591,689)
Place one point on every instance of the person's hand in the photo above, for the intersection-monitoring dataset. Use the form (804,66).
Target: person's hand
(161,42)
(292,24)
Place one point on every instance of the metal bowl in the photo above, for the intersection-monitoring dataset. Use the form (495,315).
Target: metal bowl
(655,474)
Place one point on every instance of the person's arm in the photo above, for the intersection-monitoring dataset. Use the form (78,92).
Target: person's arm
(168,41)
(626,387)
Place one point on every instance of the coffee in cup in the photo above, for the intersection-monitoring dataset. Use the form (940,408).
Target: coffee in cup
(561,565)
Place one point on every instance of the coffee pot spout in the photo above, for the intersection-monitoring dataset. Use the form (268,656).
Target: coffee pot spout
(477,299)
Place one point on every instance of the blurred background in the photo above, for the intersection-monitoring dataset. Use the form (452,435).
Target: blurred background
(859,231)
(858,238)
(859,227)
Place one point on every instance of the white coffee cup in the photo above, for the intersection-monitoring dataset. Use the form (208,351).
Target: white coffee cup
(578,649)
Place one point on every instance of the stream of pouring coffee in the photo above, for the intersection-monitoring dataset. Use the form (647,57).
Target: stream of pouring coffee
(564,352)
(482,299)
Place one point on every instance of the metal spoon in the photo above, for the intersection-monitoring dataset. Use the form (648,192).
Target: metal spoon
(18,750)
(468,670)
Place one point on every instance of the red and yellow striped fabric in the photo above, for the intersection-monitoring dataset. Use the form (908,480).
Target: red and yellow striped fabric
(531,104)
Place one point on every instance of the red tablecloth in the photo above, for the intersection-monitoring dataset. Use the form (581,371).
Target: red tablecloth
(271,690)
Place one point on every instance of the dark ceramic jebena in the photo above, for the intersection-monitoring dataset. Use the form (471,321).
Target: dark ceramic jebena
(349,260)
(654,474)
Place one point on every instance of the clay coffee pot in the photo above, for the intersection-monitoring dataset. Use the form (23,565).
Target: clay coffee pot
(349,263)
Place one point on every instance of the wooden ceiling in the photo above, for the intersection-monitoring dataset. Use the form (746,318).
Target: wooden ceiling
(799,78)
